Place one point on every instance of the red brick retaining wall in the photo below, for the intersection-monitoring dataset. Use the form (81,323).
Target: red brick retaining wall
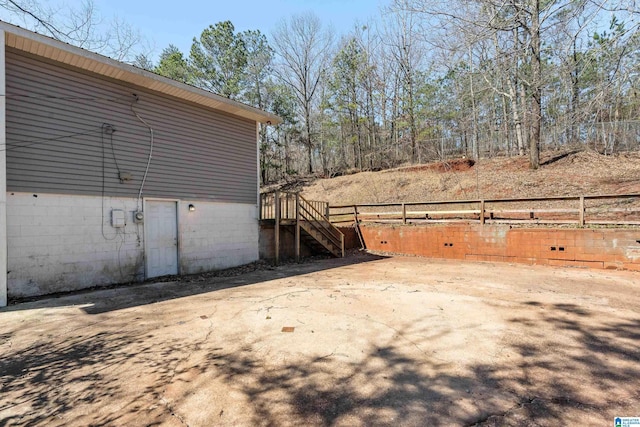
(595,248)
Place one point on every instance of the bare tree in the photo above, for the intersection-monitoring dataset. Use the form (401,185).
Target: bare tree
(82,26)
(302,49)
(531,23)
(401,36)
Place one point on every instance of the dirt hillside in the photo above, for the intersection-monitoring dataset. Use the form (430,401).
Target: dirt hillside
(561,174)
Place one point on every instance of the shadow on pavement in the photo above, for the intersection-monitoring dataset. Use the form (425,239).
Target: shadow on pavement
(580,370)
(49,379)
(111,298)
(555,362)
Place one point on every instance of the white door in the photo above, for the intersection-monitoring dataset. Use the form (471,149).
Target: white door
(161,236)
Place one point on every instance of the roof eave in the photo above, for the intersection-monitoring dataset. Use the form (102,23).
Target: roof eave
(46,47)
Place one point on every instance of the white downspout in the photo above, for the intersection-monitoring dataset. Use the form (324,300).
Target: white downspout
(3,174)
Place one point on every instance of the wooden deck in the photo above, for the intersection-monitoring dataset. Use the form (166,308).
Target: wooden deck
(310,219)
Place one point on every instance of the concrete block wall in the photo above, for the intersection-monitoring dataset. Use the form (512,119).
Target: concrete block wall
(217,236)
(60,242)
(595,248)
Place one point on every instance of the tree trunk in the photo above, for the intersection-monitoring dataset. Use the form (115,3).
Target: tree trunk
(309,143)
(474,117)
(412,121)
(516,118)
(394,120)
(287,157)
(373,144)
(505,127)
(536,89)
(575,95)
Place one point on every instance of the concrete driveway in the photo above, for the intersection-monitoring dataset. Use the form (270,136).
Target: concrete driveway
(359,341)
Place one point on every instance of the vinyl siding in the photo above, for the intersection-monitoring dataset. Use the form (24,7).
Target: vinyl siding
(56,143)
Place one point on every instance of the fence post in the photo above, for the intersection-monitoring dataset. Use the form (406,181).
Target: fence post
(276,229)
(356,225)
(297,227)
(581,211)
(328,213)
(482,212)
(286,206)
(404,214)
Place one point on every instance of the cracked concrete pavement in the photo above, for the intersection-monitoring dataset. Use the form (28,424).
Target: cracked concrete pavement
(375,341)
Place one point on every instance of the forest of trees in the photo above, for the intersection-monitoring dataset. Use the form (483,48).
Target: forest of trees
(427,80)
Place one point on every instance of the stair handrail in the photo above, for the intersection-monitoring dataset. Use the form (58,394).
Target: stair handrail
(327,229)
(322,226)
(319,217)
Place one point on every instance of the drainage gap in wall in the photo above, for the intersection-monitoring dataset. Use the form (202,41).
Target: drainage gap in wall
(561,248)
(553,248)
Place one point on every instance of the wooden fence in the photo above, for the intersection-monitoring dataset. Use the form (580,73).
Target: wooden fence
(619,209)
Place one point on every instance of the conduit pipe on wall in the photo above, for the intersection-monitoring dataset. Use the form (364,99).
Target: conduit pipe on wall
(146,171)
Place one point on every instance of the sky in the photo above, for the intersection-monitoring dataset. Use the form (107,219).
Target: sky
(177,22)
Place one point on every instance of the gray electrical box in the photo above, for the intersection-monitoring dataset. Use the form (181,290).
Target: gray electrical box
(117,218)
(125,176)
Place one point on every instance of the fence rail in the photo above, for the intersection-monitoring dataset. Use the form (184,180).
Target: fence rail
(287,206)
(609,209)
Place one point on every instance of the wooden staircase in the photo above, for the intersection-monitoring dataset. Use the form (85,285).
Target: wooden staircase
(318,231)
(312,226)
